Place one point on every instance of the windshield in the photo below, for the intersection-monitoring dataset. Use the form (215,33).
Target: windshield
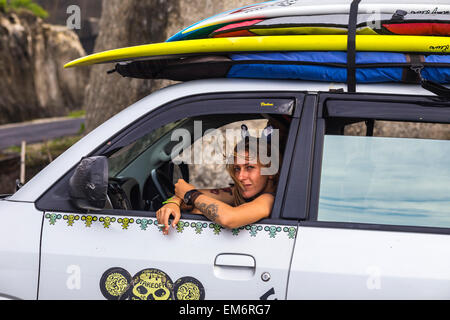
(123,157)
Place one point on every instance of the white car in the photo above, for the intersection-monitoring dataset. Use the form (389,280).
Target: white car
(362,209)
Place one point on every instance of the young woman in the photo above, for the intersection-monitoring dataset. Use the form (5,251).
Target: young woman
(248,201)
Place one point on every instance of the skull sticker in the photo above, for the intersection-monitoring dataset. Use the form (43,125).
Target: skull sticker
(152,284)
(148,284)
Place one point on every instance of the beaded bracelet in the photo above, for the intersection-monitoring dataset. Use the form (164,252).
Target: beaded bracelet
(169,201)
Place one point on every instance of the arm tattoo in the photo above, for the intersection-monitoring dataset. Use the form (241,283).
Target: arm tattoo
(210,211)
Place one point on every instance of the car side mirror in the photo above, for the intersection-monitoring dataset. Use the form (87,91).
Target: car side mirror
(88,186)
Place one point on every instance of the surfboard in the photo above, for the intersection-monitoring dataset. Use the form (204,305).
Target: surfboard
(269,44)
(288,8)
(371,67)
(385,24)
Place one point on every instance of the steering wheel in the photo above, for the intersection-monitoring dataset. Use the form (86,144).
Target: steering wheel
(163,184)
(116,196)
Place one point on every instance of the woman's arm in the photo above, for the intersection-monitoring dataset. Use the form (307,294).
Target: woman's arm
(223,213)
(223,194)
(233,217)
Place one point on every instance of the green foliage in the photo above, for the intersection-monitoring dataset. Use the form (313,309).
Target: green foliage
(13,149)
(3,6)
(41,154)
(82,129)
(77,114)
(57,146)
(24,4)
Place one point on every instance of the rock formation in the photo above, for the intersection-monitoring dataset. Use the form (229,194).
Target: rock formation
(33,83)
(90,11)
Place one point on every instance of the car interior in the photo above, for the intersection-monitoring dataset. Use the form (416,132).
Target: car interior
(142,174)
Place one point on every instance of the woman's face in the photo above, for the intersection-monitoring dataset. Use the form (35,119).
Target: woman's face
(249,175)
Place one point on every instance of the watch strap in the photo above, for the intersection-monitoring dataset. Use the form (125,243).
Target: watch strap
(194,196)
(187,197)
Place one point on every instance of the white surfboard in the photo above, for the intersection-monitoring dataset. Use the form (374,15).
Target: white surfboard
(285,8)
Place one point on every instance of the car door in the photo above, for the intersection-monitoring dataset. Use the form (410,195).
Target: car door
(122,254)
(376,224)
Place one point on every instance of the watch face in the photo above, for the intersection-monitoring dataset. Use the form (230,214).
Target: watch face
(187,197)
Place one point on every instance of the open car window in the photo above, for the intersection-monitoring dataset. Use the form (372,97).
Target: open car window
(194,149)
(140,168)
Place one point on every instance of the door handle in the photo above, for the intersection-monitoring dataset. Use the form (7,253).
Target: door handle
(234,266)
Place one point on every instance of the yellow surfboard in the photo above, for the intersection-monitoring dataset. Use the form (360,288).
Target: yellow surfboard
(388,43)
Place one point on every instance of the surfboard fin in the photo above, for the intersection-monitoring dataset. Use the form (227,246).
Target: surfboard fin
(399,15)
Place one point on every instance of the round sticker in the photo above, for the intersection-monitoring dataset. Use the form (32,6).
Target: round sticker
(188,288)
(152,284)
(115,284)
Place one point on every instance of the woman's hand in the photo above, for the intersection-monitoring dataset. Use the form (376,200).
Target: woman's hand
(163,216)
(181,187)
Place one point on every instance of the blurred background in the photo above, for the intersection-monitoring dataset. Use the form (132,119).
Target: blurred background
(50,108)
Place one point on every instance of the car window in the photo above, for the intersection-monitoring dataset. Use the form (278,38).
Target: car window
(392,173)
(124,156)
(140,159)
(194,149)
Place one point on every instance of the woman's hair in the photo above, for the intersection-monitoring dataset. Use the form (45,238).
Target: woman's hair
(250,146)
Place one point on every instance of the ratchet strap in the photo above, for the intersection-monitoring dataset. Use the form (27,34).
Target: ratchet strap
(351,46)
(431,86)
(436,88)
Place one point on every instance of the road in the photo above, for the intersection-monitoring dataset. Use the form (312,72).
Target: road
(39,131)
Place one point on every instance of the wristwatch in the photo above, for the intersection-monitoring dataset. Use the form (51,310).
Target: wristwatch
(190,196)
